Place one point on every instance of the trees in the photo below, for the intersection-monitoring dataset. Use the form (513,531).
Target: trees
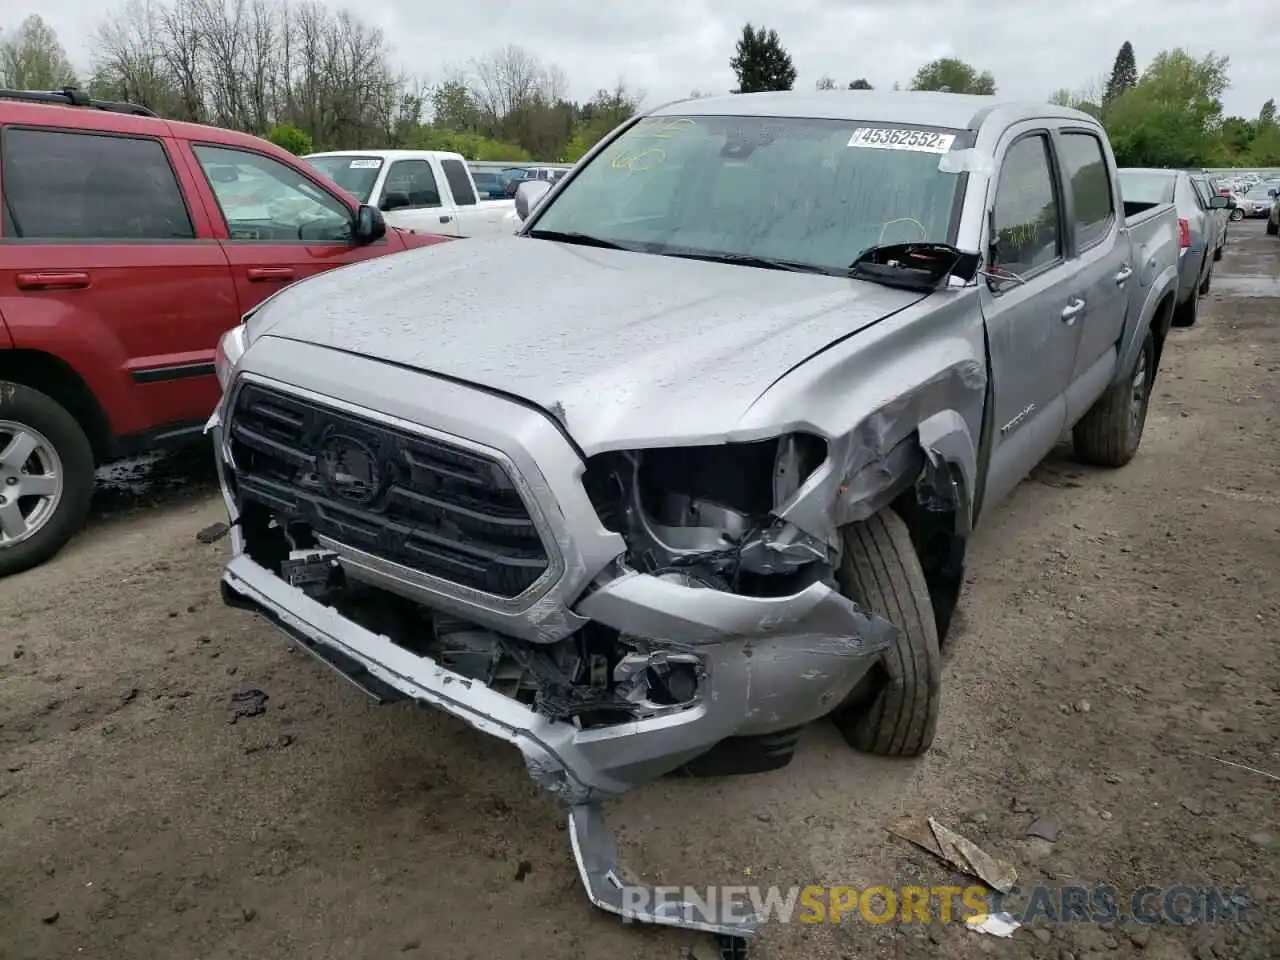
(1124,75)
(859,84)
(33,59)
(825,83)
(956,76)
(1173,116)
(761,62)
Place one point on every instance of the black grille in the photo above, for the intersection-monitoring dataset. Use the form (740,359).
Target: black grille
(422,503)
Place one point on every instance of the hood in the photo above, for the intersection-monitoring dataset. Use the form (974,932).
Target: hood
(624,349)
(412,240)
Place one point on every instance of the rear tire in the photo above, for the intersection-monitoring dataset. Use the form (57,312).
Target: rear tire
(1273,228)
(1110,433)
(1237,214)
(1187,313)
(1208,280)
(61,451)
(893,711)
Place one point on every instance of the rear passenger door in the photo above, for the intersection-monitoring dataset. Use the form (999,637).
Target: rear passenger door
(1032,303)
(464,195)
(1101,259)
(101,251)
(275,222)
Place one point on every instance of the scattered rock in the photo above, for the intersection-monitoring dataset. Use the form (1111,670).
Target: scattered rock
(1140,938)
(1192,805)
(937,934)
(1042,934)
(1065,954)
(1081,706)
(1105,814)
(231,671)
(1261,839)
(50,917)
(523,869)
(764,816)
(247,703)
(1018,806)
(1044,829)
(1110,943)
(1113,778)
(1205,952)
(129,695)
(249,915)
(411,945)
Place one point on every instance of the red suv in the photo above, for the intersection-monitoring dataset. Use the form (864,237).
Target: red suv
(128,245)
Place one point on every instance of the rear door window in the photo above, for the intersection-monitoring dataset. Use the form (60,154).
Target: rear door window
(1085,167)
(60,185)
(464,195)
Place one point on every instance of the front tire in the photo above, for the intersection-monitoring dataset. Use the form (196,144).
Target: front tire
(1110,433)
(46,477)
(893,711)
(1237,214)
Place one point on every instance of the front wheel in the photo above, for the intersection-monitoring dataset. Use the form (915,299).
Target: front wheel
(1237,214)
(46,477)
(1109,434)
(893,711)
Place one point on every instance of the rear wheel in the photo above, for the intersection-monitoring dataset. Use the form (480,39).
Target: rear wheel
(893,711)
(1186,313)
(1110,433)
(1208,280)
(46,477)
(1237,214)
(1273,228)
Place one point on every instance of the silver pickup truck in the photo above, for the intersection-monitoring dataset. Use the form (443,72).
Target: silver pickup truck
(690,461)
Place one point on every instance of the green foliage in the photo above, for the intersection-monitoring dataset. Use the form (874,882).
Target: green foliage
(761,62)
(1267,115)
(1124,75)
(953,75)
(473,146)
(289,137)
(1173,116)
(859,84)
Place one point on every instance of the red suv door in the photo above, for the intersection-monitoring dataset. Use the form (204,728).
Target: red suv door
(275,219)
(104,265)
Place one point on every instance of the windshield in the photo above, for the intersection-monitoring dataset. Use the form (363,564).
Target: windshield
(356,175)
(1140,187)
(812,192)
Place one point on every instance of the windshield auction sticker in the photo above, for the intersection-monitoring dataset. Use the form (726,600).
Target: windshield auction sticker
(920,141)
(365,163)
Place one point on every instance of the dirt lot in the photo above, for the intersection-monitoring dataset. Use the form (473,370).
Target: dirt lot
(1119,631)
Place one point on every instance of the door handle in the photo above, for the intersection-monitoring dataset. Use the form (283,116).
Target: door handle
(445,218)
(1072,310)
(52,281)
(262,274)
(1124,274)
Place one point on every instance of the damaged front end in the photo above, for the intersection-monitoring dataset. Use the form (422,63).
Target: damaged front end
(424,567)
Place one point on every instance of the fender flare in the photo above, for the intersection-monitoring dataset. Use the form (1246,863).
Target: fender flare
(1135,331)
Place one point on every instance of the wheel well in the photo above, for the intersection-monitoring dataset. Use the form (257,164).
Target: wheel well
(51,376)
(936,536)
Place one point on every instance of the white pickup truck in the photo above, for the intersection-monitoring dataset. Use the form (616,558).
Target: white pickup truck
(424,191)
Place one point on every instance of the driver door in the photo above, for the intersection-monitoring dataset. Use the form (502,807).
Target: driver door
(276,224)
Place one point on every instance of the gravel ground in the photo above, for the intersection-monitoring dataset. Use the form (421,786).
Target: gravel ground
(1118,632)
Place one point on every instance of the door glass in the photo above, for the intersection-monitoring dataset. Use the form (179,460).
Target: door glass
(264,199)
(1027,227)
(1085,167)
(464,195)
(414,179)
(79,186)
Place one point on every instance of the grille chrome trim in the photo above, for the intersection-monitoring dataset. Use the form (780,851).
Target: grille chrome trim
(421,585)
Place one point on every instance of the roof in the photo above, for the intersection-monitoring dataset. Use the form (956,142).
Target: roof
(385,154)
(956,111)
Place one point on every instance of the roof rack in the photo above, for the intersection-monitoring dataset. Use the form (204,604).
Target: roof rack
(74,97)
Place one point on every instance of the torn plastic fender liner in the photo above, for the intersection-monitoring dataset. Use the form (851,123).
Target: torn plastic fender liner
(665,610)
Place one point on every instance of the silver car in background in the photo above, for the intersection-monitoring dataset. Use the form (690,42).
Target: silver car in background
(1197,226)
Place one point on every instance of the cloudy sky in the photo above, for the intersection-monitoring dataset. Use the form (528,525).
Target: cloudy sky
(669,47)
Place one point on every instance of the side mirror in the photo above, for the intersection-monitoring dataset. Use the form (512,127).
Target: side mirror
(528,194)
(369,225)
(394,200)
(1218,203)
